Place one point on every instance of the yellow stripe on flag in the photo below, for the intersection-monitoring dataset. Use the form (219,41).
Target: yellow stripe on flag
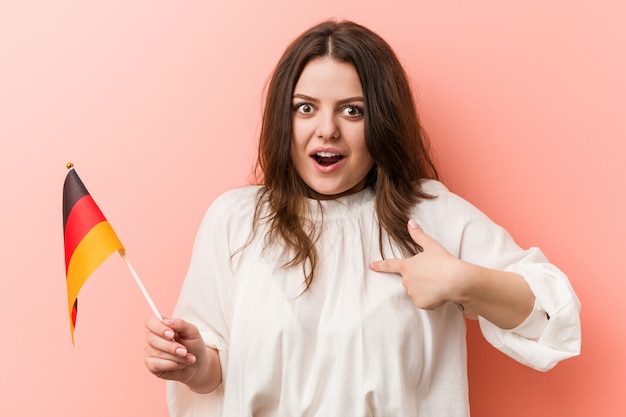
(97,245)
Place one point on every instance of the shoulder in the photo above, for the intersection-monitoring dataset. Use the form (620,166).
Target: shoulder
(443,198)
(446,211)
(232,210)
(240,199)
(433,187)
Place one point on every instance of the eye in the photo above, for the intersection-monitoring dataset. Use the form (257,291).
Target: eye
(304,108)
(352,111)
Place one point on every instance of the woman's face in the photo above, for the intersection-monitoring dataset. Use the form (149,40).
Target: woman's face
(328,143)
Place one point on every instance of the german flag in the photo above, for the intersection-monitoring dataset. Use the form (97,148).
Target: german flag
(89,238)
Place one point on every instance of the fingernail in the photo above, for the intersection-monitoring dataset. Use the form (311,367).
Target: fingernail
(168,334)
(413,224)
(169,322)
(181,351)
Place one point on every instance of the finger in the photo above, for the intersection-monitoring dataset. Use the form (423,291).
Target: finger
(184,329)
(160,327)
(166,361)
(415,230)
(160,347)
(164,356)
(417,234)
(152,353)
(159,366)
(395,266)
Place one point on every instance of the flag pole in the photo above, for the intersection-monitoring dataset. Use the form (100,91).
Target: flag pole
(140,284)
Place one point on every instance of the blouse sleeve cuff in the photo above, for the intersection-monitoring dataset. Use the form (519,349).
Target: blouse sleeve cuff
(534,324)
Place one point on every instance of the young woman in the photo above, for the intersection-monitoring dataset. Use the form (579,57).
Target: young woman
(338,285)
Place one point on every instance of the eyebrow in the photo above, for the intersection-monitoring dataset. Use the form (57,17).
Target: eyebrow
(343,101)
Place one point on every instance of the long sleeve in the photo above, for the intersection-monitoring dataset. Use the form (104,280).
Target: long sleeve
(206,291)
(552,331)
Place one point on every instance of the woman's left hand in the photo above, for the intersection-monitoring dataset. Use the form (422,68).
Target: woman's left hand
(432,277)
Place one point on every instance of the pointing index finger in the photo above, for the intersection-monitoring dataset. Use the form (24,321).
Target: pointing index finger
(387,265)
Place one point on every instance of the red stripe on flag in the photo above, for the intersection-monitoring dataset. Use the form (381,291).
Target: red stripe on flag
(74,314)
(84,216)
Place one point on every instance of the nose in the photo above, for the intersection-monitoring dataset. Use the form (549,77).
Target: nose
(327,128)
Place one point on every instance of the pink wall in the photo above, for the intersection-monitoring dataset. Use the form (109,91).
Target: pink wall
(157,104)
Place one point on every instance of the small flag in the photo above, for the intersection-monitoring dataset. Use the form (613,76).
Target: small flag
(89,238)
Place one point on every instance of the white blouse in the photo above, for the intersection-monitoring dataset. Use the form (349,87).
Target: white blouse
(353,344)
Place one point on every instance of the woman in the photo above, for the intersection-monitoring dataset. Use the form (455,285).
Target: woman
(338,286)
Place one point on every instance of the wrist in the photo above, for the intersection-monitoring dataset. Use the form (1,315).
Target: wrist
(206,373)
(464,279)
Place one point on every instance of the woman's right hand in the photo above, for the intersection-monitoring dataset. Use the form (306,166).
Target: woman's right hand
(175,351)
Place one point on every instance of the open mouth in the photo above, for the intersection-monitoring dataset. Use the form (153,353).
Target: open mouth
(327,158)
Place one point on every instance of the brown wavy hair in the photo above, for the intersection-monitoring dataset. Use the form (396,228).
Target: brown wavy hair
(393,136)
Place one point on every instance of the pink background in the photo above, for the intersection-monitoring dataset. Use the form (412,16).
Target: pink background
(157,103)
